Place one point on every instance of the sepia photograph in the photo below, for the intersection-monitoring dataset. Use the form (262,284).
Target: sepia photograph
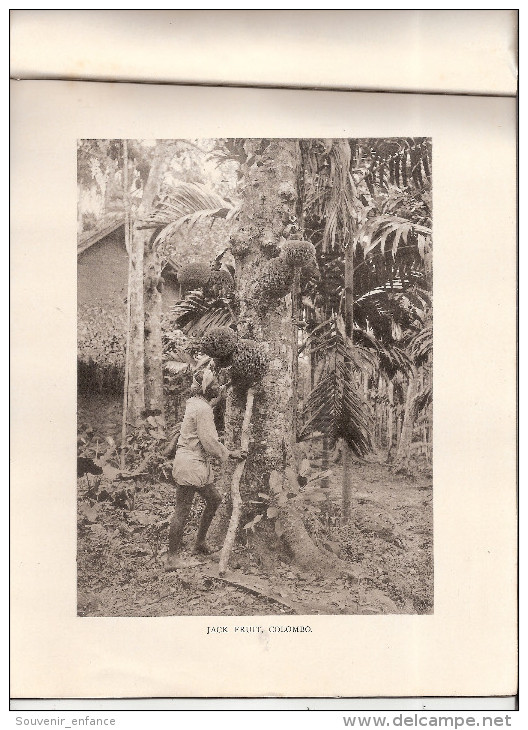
(255,418)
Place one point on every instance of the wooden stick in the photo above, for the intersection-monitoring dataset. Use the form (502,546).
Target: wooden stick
(235,487)
(296,287)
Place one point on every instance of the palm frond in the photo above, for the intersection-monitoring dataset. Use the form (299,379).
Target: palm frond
(332,197)
(187,204)
(401,162)
(386,233)
(335,406)
(423,400)
(196,313)
(329,337)
(421,345)
(392,306)
(392,359)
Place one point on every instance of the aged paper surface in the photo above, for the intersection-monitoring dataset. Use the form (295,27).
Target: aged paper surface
(442,51)
(468,647)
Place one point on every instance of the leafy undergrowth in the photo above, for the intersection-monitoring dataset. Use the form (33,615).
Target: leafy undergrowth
(121,550)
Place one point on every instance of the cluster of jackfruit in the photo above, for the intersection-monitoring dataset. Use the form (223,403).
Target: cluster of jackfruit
(221,279)
(219,342)
(299,253)
(275,280)
(194,275)
(249,363)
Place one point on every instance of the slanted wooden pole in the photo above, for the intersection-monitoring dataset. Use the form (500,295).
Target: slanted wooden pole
(235,487)
(296,313)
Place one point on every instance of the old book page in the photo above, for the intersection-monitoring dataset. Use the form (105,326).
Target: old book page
(468,645)
(429,51)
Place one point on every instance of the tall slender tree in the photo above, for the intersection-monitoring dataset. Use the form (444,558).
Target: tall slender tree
(145,353)
(268,187)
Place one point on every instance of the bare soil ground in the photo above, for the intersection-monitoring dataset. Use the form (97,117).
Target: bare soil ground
(390,538)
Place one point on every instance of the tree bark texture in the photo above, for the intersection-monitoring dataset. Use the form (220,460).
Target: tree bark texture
(390,420)
(264,215)
(409,415)
(268,189)
(136,337)
(136,380)
(346,488)
(126,204)
(153,286)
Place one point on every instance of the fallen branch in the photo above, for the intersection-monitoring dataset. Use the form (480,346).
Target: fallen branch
(235,487)
(240,581)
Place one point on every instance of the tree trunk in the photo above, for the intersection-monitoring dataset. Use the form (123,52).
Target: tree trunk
(264,209)
(346,487)
(136,335)
(153,286)
(390,420)
(409,414)
(136,378)
(268,189)
(126,205)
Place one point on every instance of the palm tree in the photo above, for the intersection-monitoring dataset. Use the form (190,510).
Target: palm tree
(365,206)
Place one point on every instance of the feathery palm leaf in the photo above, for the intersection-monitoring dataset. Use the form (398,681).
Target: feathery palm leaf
(421,345)
(401,162)
(187,203)
(383,230)
(331,198)
(423,400)
(329,336)
(392,308)
(196,313)
(335,405)
(391,358)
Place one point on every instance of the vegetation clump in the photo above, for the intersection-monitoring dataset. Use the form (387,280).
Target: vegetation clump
(221,279)
(275,280)
(194,275)
(240,244)
(219,342)
(249,363)
(299,253)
